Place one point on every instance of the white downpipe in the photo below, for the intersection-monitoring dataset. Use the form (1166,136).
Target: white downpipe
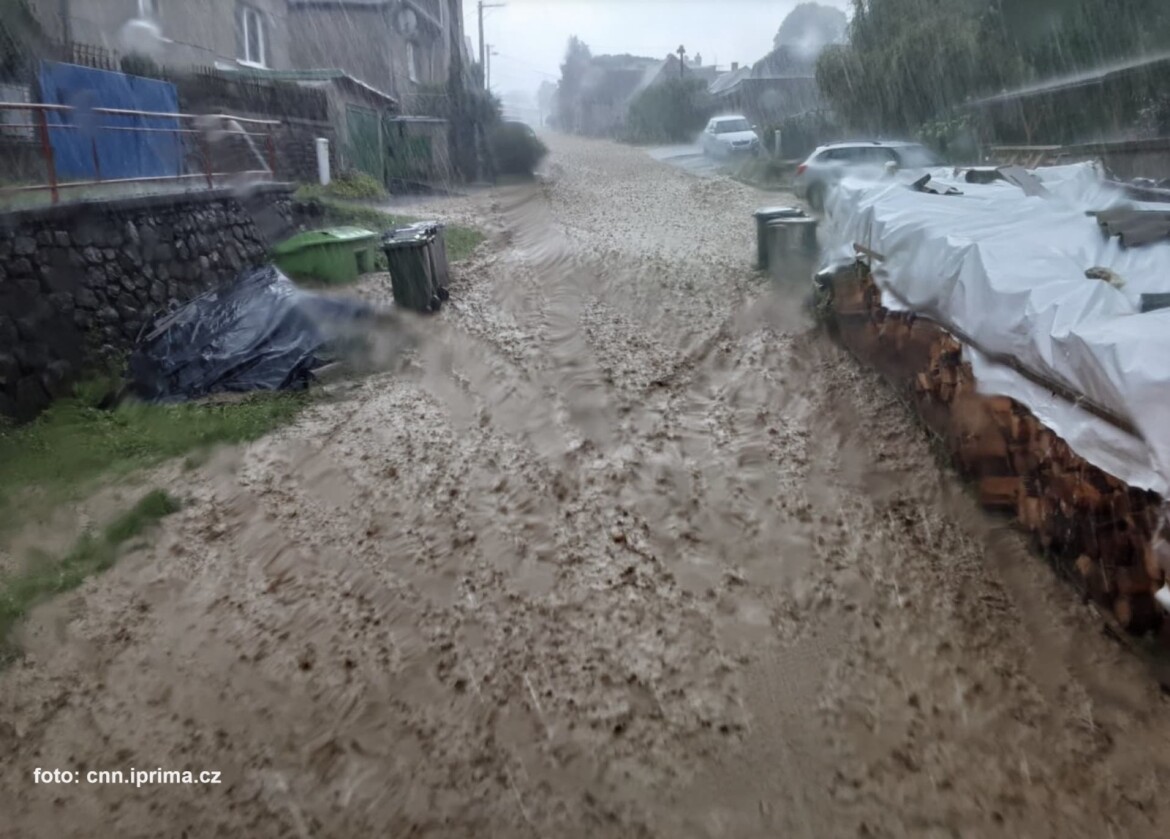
(323,161)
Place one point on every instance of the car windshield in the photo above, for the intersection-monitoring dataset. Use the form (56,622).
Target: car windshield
(732,126)
(919,156)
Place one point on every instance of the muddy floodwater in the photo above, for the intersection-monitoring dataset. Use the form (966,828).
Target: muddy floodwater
(623,547)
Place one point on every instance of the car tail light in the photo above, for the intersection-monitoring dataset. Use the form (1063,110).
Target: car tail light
(802,168)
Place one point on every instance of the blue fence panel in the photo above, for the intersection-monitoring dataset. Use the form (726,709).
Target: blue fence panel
(120,154)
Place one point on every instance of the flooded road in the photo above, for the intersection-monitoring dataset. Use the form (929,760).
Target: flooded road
(623,548)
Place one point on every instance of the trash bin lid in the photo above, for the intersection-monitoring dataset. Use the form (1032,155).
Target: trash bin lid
(791,222)
(316,238)
(407,237)
(769,213)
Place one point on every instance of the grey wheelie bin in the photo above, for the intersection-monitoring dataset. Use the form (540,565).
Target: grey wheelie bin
(417,262)
(765,216)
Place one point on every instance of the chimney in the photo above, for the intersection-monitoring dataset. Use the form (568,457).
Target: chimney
(734,66)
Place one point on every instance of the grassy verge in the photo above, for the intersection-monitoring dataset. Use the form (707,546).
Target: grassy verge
(57,457)
(92,554)
(765,173)
(340,212)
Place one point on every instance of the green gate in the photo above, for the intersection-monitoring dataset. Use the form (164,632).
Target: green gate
(364,150)
(408,155)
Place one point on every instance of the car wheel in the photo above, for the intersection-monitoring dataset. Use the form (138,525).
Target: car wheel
(816,197)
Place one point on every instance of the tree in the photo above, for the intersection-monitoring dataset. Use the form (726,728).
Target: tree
(573,71)
(546,96)
(909,63)
(809,28)
(672,111)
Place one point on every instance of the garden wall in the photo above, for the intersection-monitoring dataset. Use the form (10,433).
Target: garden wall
(79,281)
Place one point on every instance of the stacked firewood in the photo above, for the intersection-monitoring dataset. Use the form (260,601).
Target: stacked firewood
(1093,525)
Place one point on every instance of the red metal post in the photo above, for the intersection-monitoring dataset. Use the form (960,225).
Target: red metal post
(47,152)
(271,144)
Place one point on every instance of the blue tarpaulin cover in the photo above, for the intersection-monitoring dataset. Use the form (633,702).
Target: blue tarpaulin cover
(120,154)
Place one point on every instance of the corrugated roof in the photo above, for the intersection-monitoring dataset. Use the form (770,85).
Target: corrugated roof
(319,75)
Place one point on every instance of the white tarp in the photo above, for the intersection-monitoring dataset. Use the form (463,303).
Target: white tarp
(1009,271)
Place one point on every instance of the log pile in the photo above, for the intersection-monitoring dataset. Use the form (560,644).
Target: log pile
(1093,526)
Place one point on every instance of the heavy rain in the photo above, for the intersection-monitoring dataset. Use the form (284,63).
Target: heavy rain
(608,418)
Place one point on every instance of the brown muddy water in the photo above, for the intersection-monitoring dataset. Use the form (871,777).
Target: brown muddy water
(622,546)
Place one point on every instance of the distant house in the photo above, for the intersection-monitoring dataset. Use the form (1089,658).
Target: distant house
(669,69)
(396,46)
(776,87)
(607,88)
(210,33)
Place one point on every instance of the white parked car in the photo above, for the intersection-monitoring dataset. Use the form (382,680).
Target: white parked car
(730,135)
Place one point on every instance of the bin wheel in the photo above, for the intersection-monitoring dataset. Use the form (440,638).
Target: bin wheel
(436,303)
(444,295)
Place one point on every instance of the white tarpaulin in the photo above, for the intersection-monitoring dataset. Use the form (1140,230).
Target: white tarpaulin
(1008,270)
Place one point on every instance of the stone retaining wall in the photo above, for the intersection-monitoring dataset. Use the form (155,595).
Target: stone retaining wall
(78,282)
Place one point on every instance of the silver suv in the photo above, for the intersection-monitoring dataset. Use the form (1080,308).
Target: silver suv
(830,163)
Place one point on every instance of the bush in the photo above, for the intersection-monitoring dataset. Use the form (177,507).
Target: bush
(674,111)
(355,185)
(516,149)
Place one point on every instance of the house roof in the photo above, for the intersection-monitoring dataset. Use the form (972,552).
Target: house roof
(1078,79)
(778,65)
(321,75)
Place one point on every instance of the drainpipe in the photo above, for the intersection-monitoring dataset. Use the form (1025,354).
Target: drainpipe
(66,14)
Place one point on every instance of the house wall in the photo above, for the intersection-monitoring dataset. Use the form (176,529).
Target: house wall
(362,41)
(204,31)
(355,39)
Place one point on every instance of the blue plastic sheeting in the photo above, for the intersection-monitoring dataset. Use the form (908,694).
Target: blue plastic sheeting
(120,154)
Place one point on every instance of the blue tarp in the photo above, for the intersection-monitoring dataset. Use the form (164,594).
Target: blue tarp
(120,154)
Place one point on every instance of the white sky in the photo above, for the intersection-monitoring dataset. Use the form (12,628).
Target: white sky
(530,35)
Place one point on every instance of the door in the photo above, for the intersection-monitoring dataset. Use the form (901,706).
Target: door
(364,142)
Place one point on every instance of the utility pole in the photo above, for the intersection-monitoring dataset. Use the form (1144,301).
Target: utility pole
(682,60)
(482,51)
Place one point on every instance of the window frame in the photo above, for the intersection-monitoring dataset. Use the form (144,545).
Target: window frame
(412,66)
(245,40)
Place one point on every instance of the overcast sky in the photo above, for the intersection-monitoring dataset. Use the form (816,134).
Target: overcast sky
(530,35)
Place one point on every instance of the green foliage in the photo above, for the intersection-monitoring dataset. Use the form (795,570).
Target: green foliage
(517,151)
(461,241)
(93,553)
(810,27)
(910,63)
(351,185)
(674,111)
(73,443)
(573,70)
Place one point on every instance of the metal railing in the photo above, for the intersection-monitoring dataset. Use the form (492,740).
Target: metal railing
(202,142)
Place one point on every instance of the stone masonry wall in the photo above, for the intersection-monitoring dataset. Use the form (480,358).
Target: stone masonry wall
(78,282)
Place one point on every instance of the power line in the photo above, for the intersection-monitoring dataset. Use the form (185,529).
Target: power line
(528,66)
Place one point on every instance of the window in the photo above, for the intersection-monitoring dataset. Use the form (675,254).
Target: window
(412,61)
(148,9)
(10,119)
(919,157)
(252,36)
